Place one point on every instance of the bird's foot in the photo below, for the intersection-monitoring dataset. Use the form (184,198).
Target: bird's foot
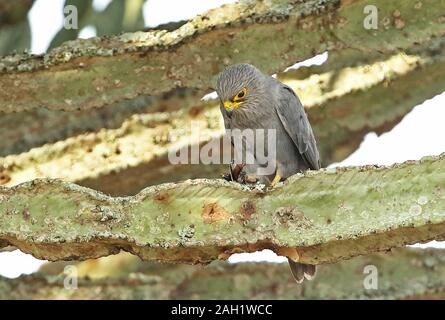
(275,180)
(235,174)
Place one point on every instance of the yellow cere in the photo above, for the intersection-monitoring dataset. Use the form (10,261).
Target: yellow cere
(237,100)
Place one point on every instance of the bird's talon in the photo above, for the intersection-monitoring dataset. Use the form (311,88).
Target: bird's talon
(275,180)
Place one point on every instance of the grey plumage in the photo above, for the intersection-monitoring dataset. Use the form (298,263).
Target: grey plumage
(270,104)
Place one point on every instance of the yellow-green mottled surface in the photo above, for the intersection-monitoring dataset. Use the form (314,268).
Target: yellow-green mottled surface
(319,217)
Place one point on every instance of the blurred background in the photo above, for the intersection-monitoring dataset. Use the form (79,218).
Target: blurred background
(37,27)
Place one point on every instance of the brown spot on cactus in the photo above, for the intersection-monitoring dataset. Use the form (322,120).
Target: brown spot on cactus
(248,209)
(162,197)
(213,212)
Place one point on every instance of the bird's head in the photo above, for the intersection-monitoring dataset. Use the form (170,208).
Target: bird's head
(240,87)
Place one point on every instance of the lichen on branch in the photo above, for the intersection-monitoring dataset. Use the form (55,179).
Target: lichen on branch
(319,217)
(270,34)
(402,274)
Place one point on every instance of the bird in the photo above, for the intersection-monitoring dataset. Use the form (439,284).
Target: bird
(250,99)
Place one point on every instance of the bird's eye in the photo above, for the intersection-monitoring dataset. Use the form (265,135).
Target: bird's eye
(241,95)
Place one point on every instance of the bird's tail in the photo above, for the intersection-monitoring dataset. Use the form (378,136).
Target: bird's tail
(301,271)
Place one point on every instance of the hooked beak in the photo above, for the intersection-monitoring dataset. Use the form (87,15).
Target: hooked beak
(230,106)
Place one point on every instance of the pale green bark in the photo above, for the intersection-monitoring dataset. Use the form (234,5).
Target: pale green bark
(269,34)
(320,217)
(402,274)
